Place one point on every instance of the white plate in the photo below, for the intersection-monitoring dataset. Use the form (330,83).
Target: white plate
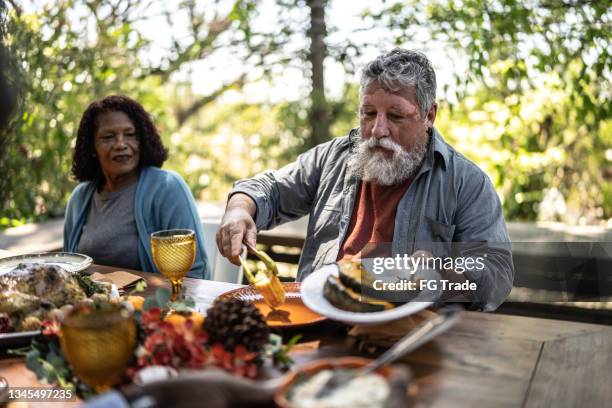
(312,295)
(70,261)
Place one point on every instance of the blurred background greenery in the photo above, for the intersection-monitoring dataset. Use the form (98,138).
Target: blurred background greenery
(239,86)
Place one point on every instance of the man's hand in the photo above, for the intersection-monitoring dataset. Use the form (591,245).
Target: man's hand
(237,224)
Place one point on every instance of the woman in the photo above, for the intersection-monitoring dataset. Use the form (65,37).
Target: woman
(124,195)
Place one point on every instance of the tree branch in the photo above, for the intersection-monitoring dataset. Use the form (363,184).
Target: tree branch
(183,114)
(197,50)
(16,7)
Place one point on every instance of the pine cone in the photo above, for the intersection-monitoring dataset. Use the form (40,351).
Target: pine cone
(234,322)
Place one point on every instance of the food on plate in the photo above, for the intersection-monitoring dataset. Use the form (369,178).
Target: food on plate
(265,281)
(347,299)
(352,290)
(367,391)
(352,275)
(270,288)
(31,291)
(48,282)
(30,323)
(14,302)
(356,289)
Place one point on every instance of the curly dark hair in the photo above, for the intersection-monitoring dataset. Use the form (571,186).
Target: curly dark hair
(152,150)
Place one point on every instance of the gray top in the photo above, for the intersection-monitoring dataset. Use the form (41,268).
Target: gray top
(450,200)
(109,235)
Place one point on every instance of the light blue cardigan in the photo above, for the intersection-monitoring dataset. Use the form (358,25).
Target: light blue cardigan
(163,201)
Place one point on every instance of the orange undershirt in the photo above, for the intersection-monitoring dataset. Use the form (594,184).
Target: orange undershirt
(373,218)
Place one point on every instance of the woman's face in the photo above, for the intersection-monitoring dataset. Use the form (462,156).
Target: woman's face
(117,147)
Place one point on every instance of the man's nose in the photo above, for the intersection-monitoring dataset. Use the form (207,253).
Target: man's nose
(381,129)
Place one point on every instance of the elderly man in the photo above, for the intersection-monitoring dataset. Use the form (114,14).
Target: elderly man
(393,181)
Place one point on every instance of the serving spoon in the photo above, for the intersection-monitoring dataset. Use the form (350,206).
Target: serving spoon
(445,318)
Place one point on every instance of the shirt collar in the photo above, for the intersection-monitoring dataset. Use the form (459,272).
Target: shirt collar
(440,148)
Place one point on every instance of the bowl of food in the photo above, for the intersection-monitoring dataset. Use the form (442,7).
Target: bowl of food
(386,387)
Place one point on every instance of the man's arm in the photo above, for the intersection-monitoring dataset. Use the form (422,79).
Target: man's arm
(481,232)
(269,199)
(288,193)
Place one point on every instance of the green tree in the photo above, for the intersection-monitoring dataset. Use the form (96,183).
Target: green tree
(514,49)
(72,52)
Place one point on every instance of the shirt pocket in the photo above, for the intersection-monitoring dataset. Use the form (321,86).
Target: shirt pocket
(326,223)
(439,236)
(440,231)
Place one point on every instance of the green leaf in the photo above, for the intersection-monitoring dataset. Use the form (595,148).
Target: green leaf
(88,285)
(293,341)
(31,360)
(163,296)
(140,287)
(179,307)
(183,305)
(149,303)
(55,360)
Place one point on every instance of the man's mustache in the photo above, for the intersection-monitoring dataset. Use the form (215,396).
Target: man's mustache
(384,142)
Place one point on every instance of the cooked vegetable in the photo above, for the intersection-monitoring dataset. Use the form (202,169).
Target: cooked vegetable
(271,289)
(353,276)
(89,286)
(347,299)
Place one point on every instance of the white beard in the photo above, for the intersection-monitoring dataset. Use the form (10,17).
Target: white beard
(370,165)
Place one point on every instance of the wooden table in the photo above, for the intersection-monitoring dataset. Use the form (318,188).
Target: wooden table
(486,360)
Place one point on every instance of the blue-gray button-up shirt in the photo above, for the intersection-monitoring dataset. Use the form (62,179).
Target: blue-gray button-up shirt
(450,200)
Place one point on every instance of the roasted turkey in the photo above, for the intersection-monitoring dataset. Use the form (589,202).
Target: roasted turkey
(34,288)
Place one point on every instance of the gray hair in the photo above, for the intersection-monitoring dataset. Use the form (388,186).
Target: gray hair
(401,68)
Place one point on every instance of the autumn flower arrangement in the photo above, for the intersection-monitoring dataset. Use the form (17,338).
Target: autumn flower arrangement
(234,337)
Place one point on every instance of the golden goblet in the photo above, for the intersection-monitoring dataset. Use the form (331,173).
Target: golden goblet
(98,344)
(173,253)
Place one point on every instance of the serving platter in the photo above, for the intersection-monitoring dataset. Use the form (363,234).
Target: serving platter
(70,261)
(17,339)
(312,295)
(292,314)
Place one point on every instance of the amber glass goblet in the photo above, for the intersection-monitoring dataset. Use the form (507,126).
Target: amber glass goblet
(173,253)
(98,344)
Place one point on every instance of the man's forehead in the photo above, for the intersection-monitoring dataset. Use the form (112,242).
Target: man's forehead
(407,92)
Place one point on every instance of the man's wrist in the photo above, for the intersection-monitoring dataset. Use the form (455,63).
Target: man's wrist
(242,201)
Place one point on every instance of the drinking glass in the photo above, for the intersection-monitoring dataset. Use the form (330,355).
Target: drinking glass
(173,253)
(98,345)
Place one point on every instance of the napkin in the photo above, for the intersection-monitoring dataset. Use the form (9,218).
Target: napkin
(371,337)
(123,280)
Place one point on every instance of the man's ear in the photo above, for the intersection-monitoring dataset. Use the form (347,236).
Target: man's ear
(431,115)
